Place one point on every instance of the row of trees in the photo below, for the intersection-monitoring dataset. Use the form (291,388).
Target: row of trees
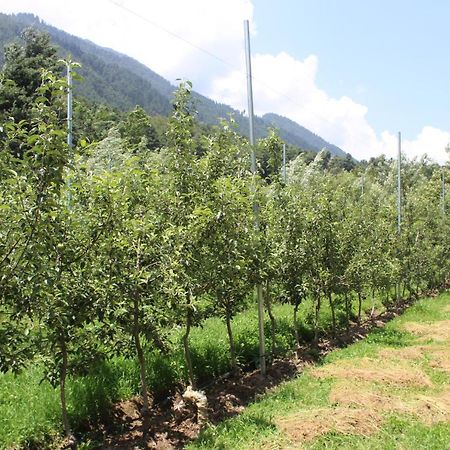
(119,243)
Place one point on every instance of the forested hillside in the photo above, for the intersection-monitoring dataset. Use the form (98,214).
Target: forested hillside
(291,131)
(122,82)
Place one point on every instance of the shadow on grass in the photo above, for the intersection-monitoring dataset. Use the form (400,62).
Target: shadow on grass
(390,337)
(245,425)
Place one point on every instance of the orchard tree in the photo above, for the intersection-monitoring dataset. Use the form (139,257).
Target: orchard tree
(20,207)
(186,217)
(230,225)
(267,252)
(65,290)
(47,282)
(372,268)
(287,225)
(270,155)
(230,250)
(131,255)
(137,128)
(92,121)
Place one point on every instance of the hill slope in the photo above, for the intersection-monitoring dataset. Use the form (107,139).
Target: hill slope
(122,82)
(290,130)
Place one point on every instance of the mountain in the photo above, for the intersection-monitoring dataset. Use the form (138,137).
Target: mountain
(122,82)
(290,130)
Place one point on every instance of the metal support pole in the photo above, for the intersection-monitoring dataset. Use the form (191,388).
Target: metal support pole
(399,184)
(69,128)
(248,63)
(399,200)
(69,106)
(443,191)
(284,163)
(259,291)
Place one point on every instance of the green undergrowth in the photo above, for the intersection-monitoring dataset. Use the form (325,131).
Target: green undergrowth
(257,426)
(29,407)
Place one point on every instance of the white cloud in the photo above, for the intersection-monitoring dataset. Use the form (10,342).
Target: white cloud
(287,86)
(430,141)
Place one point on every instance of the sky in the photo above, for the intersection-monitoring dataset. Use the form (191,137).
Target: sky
(354,72)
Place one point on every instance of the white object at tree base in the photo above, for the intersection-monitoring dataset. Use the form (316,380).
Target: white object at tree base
(199,399)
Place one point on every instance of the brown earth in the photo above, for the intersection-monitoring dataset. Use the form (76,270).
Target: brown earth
(173,423)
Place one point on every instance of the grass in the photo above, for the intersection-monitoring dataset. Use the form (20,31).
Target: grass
(305,413)
(397,433)
(29,408)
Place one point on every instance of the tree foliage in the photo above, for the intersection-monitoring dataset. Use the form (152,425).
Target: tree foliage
(109,247)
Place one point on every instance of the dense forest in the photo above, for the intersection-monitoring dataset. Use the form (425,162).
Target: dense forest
(117,249)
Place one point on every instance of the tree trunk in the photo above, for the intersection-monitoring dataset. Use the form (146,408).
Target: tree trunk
(316,321)
(372,311)
(333,313)
(136,337)
(347,312)
(231,342)
(140,355)
(62,385)
(297,336)
(359,307)
(273,324)
(187,350)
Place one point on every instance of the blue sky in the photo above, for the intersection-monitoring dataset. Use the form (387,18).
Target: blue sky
(354,72)
(392,56)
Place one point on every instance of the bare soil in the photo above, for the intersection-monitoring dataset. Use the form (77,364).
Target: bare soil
(173,422)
